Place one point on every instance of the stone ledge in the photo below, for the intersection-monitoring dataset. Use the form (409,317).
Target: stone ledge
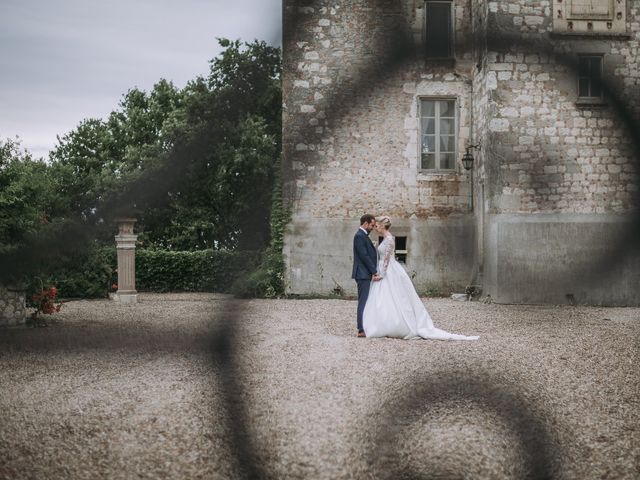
(594,35)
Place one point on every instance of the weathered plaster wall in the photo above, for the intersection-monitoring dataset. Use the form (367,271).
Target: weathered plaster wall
(560,259)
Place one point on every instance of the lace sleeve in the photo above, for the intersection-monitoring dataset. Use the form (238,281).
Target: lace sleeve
(388,252)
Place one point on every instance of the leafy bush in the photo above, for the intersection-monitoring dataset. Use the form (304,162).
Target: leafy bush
(267,281)
(88,276)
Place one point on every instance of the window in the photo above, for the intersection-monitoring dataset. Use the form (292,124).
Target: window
(590,77)
(438,134)
(438,29)
(401,248)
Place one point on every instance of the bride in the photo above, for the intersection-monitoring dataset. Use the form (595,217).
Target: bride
(393,308)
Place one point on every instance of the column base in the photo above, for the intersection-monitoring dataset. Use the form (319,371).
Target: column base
(124,298)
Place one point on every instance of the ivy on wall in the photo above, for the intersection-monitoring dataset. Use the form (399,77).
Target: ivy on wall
(267,281)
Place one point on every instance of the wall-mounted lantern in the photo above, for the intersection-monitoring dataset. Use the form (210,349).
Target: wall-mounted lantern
(467,160)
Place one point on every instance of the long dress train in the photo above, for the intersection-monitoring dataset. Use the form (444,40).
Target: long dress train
(394,308)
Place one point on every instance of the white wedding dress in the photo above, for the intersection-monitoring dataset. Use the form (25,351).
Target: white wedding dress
(393,308)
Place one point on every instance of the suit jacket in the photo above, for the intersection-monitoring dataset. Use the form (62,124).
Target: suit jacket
(365,257)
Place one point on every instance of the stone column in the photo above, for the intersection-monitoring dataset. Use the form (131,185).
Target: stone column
(126,246)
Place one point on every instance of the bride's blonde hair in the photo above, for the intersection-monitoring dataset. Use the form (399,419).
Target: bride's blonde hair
(385,221)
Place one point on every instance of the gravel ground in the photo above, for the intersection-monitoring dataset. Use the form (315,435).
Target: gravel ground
(149,391)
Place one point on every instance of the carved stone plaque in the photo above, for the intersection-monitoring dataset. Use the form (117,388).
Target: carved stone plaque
(589,17)
(591,9)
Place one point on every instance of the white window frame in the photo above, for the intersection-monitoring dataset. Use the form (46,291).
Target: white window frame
(452,27)
(456,108)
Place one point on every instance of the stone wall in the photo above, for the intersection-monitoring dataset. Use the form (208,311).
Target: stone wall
(350,122)
(556,155)
(352,83)
(548,165)
(560,176)
(12,307)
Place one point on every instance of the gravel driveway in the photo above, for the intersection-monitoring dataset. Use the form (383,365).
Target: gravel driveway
(149,391)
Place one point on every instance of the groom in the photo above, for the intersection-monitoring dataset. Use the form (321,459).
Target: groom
(364,264)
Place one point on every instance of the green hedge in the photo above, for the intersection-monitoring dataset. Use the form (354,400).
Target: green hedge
(92,275)
(198,271)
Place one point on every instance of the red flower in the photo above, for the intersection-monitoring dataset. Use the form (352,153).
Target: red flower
(43,301)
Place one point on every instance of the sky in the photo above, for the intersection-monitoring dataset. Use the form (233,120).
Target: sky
(66,60)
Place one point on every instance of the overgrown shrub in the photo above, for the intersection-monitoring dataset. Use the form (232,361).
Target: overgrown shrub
(267,281)
(87,276)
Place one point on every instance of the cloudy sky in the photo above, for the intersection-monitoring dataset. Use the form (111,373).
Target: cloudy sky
(65,60)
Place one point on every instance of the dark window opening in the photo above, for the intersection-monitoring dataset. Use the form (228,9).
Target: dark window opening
(590,76)
(438,30)
(401,248)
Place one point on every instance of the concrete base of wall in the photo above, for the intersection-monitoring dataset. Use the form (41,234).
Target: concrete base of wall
(319,254)
(561,259)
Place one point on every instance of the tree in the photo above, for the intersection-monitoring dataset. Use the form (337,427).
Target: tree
(27,199)
(31,237)
(98,157)
(230,131)
(196,165)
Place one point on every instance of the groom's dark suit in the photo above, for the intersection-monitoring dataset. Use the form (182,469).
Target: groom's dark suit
(364,267)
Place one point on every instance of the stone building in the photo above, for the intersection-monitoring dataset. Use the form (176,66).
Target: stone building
(382,99)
